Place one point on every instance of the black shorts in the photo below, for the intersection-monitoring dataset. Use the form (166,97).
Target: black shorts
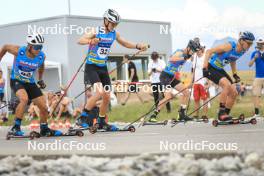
(168,80)
(31,88)
(2,96)
(216,75)
(98,74)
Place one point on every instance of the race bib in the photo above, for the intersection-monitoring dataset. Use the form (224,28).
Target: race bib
(25,74)
(103,52)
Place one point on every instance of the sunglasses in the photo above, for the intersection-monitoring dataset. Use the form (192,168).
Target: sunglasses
(37,47)
(248,42)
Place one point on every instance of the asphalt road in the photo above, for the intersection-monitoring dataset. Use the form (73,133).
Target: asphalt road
(184,138)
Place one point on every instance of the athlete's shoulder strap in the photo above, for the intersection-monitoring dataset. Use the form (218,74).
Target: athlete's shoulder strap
(114,34)
(22,50)
(41,57)
(233,44)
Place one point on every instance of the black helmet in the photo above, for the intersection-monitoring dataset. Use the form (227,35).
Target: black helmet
(247,36)
(194,45)
(196,39)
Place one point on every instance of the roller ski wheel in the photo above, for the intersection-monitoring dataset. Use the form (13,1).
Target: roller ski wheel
(173,121)
(253,121)
(79,133)
(8,136)
(93,129)
(241,117)
(131,128)
(215,123)
(34,134)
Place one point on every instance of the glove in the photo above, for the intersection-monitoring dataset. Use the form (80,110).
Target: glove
(142,47)
(154,70)
(206,73)
(187,56)
(237,78)
(41,84)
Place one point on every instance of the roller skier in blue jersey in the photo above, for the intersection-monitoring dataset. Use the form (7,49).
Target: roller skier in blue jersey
(216,59)
(169,80)
(96,69)
(27,61)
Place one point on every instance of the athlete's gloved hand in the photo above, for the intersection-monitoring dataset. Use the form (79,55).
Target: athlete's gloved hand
(142,47)
(205,72)
(41,84)
(154,70)
(237,78)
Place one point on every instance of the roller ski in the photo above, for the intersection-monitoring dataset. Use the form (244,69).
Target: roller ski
(55,133)
(103,126)
(183,118)
(202,119)
(16,133)
(233,121)
(44,132)
(163,123)
(153,120)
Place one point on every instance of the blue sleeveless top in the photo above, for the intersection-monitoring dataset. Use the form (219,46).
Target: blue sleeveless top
(98,54)
(174,67)
(24,68)
(219,61)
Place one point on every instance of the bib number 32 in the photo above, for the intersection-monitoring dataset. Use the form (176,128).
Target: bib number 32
(103,52)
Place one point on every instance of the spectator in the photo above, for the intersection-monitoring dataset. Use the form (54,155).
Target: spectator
(257,57)
(201,85)
(133,78)
(155,67)
(2,86)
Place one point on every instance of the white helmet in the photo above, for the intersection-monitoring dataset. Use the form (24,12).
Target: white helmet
(260,41)
(35,39)
(112,16)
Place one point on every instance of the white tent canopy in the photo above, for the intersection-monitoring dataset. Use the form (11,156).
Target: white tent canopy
(7,63)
